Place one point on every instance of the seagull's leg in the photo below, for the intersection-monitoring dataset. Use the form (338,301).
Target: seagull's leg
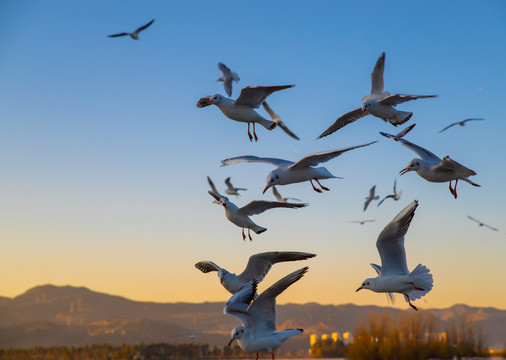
(272,353)
(451,190)
(249,235)
(410,304)
(314,188)
(249,134)
(256,357)
(455,188)
(254,133)
(243,236)
(323,187)
(417,288)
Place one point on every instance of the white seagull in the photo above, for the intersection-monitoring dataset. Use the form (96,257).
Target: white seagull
(288,172)
(432,168)
(361,222)
(371,197)
(257,268)
(275,117)
(393,274)
(258,330)
(482,224)
(134,35)
(240,216)
(280,198)
(231,190)
(461,123)
(227,78)
(242,109)
(377,84)
(396,195)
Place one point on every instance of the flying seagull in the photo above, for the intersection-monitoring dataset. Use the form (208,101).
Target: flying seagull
(275,117)
(371,197)
(482,224)
(393,274)
(377,84)
(257,268)
(227,78)
(231,190)
(258,330)
(360,222)
(134,35)
(288,172)
(242,109)
(461,123)
(396,195)
(432,168)
(240,216)
(280,198)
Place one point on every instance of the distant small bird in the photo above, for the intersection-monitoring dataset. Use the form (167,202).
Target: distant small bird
(396,195)
(241,109)
(257,268)
(258,331)
(231,190)
(240,216)
(227,78)
(134,35)
(280,198)
(393,274)
(377,84)
(461,123)
(275,117)
(482,224)
(432,168)
(288,172)
(213,188)
(361,222)
(371,197)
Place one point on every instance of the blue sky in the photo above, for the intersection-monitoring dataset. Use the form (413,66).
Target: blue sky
(104,155)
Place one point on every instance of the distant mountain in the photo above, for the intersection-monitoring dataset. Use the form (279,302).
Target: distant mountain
(71,316)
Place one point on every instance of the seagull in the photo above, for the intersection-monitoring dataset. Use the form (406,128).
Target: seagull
(213,188)
(280,198)
(361,222)
(257,268)
(275,117)
(396,195)
(482,224)
(371,197)
(393,274)
(231,190)
(258,330)
(432,168)
(382,108)
(227,78)
(288,172)
(377,85)
(241,109)
(134,35)
(461,123)
(240,216)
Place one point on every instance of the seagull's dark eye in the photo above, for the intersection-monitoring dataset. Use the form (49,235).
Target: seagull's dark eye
(242,330)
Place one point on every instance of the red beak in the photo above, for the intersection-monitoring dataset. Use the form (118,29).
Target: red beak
(230,342)
(268,186)
(363,112)
(358,289)
(403,171)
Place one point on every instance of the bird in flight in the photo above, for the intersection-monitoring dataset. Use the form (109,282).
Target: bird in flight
(361,222)
(371,197)
(231,190)
(482,224)
(134,35)
(461,123)
(396,195)
(227,78)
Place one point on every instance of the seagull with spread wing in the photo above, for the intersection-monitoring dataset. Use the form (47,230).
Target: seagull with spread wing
(231,190)
(432,168)
(482,224)
(257,268)
(396,195)
(288,172)
(280,198)
(377,84)
(461,123)
(134,35)
(227,78)
(240,216)
(372,196)
(242,109)
(361,222)
(258,331)
(393,274)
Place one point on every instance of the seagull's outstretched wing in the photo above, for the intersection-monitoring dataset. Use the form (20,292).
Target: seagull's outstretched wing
(217,196)
(386,197)
(275,117)
(390,242)
(249,158)
(276,193)
(229,184)
(143,27)
(377,85)
(260,264)
(403,133)
(420,151)
(259,206)
(118,35)
(449,126)
(397,99)
(263,309)
(207,266)
(342,121)
(224,69)
(450,165)
(254,96)
(211,184)
(237,305)
(321,157)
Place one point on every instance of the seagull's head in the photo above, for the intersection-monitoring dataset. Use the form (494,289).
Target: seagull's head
(215,99)
(413,165)
(366,284)
(222,274)
(236,334)
(272,179)
(365,107)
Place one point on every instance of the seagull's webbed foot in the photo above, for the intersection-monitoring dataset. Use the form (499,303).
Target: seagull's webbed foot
(410,304)
(256,357)
(254,133)
(243,236)
(323,187)
(249,236)
(417,288)
(249,134)
(314,188)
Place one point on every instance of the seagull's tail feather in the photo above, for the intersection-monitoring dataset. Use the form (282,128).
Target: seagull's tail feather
(470,182)
(258,229)
(401,117)
(421,278)
(269,125)
(288,333)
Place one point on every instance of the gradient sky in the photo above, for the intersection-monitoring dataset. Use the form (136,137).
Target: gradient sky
(104,155)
